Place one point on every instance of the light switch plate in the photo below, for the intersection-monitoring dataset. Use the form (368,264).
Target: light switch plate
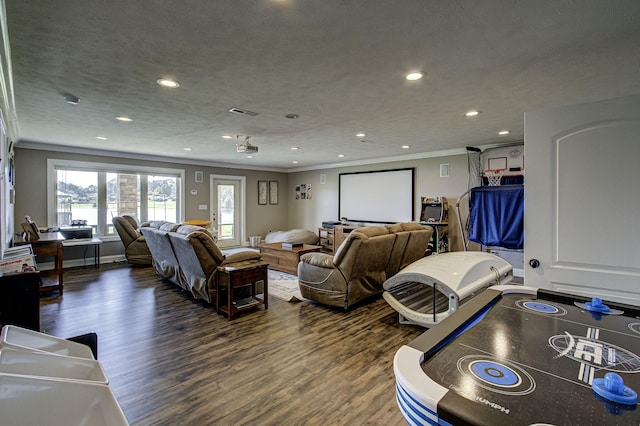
(202,207)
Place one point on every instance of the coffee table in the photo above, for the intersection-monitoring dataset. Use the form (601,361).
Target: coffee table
(285,259)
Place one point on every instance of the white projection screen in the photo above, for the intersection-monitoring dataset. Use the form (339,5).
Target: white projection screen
(380,197)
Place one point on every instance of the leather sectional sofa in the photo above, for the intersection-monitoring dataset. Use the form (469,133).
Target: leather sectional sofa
(363,262)
(188,256)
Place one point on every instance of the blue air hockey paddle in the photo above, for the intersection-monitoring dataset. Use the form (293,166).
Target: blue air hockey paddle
(596,306)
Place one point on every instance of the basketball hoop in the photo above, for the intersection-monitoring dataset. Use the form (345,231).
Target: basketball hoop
(494,177)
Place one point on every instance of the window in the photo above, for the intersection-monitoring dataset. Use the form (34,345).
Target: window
(96,192)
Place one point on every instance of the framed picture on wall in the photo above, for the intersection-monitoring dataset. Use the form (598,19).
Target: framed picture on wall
(273,192)
(262,192)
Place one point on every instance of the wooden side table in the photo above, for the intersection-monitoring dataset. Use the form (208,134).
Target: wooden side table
(231,278)
(49,244)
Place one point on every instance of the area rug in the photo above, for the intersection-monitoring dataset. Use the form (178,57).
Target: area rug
(284,286)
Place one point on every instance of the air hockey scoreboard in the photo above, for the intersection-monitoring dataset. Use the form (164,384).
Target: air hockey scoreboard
(519,355)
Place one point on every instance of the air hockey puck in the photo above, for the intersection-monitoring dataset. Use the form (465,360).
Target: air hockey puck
(612,387)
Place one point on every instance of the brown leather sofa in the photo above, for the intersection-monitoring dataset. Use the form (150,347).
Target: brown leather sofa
(164,260)
(135,246)
(188,256)
(363,262)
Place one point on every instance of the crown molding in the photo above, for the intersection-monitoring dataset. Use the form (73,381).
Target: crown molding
(147,157)
(118,154)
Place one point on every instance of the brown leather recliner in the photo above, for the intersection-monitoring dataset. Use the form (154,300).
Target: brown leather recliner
(362,263)
(135,246)
(199,259)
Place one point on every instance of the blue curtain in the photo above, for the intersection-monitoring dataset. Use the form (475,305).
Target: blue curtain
(496,216)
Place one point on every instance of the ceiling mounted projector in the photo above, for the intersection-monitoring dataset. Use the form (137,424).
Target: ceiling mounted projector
(245,147)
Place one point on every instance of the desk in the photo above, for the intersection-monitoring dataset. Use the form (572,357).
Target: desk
(95,242)
(519,355)
(49,244)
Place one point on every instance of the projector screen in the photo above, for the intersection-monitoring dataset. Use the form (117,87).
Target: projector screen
(382,197)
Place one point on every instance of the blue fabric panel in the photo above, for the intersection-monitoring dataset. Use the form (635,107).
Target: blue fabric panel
(496,216)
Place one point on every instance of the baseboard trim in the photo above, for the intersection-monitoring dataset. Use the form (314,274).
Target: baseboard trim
(88,261)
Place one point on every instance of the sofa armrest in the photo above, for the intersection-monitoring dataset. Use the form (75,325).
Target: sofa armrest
(241,256)
(321,260)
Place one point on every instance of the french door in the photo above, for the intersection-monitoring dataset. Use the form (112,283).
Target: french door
(227,209)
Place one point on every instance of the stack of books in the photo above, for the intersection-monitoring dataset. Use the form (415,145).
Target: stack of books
(291,245)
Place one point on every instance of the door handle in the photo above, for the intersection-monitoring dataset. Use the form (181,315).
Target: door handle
(534,263)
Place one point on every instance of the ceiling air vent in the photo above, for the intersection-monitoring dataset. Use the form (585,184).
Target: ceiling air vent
(243,111)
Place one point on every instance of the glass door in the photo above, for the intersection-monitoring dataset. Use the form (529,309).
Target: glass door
(227,209)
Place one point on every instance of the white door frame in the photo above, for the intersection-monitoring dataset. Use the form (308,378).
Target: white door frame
(242,198)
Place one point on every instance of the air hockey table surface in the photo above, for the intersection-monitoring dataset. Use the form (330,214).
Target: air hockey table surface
(518,355)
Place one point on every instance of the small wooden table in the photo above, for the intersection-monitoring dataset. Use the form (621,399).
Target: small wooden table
(285,259)
(231,277)
(49,244)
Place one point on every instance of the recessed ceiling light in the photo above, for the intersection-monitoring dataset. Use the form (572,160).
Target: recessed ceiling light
(187,149)
(295,148)
(340,155)
(249,156)
(102,138)
(165,82)
(406,146)
(227,137)
(123,118)
(361,135)
(294,162)
(503,132)
(414,76)
(472,113)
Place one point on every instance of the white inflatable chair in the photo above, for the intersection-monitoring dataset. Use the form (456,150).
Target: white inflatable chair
(432,288)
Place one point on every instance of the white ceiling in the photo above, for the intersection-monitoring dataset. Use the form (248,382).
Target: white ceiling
(338,64)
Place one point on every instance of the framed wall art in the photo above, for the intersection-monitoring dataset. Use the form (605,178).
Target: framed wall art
(262,192)
(273,192)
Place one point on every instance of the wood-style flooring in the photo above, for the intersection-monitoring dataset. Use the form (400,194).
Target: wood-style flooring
(172,360)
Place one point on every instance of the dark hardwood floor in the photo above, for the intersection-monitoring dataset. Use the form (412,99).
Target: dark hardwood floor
(174,361)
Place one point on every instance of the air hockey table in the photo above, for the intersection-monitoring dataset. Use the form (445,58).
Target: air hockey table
(519,355)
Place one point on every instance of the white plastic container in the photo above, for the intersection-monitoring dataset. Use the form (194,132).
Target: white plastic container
(23,339)
(51,366)
(31,401)
(255,240)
